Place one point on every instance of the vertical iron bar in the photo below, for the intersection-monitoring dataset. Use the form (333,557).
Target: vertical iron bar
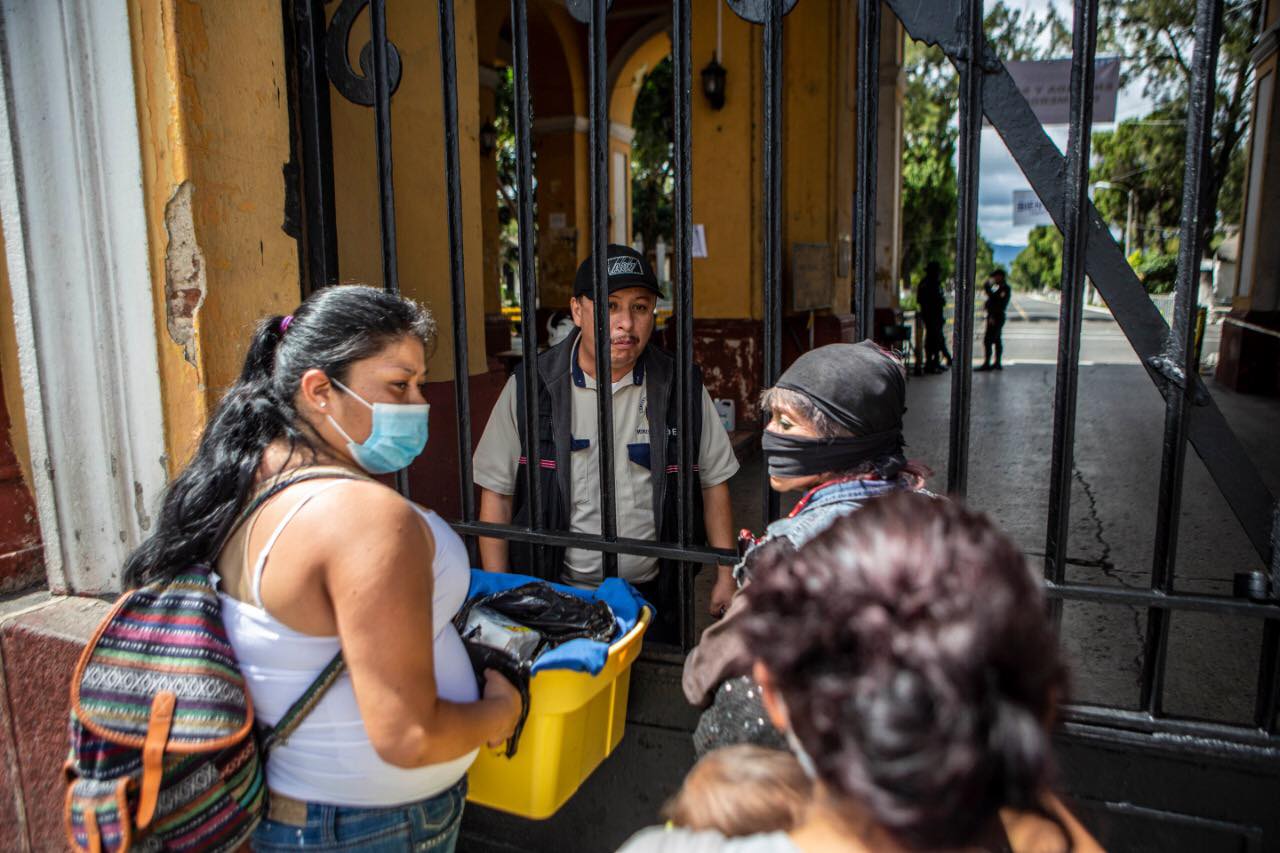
(966,244)
(386,186)
(457,277)
(1070,316)
(772,218)
(315,134)
(681,53)
(1178,350)
(382,133)
(599,148)
(868,112)
(528,290)
(1268,697)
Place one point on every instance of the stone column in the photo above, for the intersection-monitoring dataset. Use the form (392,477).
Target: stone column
(75,237)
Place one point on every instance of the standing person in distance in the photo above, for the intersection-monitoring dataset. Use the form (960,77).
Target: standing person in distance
(933,304)
(998,295)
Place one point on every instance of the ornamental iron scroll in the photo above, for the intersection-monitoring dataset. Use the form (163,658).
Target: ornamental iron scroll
(757,11)
(357,88)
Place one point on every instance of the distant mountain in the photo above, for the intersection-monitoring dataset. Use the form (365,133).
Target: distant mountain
(1004,254)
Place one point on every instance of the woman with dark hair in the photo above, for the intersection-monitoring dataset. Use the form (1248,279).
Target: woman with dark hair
(833,433)
(329,396)
(906,653)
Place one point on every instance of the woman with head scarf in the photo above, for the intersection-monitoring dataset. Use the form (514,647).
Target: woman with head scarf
(834,433)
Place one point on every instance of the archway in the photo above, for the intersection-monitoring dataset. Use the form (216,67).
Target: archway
(640,141)
(557,92)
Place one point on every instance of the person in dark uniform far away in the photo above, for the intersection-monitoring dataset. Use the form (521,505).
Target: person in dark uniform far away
(998,295)
(933,303)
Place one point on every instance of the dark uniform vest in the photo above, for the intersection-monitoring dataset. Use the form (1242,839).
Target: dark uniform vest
(555,425)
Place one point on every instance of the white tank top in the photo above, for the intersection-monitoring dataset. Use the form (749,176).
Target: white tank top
(329,758)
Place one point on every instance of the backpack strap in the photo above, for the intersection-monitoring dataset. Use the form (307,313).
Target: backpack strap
(273,736)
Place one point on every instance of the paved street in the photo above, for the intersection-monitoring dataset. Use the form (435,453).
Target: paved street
(1213,659)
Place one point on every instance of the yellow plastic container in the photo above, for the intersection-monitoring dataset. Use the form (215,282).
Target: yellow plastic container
(575,721)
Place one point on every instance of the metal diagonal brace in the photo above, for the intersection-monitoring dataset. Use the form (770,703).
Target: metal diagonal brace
(936,22)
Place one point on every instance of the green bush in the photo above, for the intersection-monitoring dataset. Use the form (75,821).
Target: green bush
(1158,273)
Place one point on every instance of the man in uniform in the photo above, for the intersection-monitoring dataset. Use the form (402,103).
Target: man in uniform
(645,457)
(933,304)
(998,294)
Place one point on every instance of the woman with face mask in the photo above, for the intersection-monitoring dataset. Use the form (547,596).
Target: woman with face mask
(907,654)
(334,560)
(834,435)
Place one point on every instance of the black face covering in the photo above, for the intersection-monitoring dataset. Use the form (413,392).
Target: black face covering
(802,456)
(860,387)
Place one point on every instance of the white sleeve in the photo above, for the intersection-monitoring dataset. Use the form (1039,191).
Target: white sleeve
(497,458)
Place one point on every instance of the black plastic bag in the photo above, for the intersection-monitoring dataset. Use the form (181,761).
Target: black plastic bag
(557,616)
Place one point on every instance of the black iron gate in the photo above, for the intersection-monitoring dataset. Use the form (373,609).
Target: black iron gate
(1146,778)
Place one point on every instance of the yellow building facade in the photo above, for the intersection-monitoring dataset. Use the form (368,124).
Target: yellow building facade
(218,130)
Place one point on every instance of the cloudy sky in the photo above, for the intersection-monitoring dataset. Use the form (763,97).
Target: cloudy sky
(1000,176)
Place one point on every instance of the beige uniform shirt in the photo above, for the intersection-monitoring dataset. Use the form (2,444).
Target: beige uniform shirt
(496,467)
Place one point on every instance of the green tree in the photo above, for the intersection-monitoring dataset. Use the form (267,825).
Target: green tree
(652,158)
(986,260)
(1039,265)
(928,162)
(1155,37)
(1142,156)
(929,134)
(508,187)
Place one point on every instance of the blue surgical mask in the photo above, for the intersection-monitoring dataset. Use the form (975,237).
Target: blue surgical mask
(398,436)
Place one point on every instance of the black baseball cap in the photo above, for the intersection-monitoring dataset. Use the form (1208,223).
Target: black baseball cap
(625,268)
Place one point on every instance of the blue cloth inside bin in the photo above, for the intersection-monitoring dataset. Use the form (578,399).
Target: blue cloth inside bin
(580,655)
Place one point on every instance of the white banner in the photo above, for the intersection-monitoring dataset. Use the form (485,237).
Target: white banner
(1046,85)
(1028,209)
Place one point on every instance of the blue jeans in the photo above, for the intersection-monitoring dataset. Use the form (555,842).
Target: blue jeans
(430,824)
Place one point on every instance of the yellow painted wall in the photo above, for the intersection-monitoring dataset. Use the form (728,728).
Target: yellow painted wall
(13,400)
(419,180)
(726,176)
(213,122)
(626,88)
(809,117)
(728,151)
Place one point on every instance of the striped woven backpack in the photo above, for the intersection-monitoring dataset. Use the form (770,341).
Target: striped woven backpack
(164,751)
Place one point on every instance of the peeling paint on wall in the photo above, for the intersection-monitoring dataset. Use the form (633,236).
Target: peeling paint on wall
(184,271)
(732,361)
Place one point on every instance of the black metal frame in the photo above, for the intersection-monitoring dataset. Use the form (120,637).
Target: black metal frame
(985,89)
(1191,415)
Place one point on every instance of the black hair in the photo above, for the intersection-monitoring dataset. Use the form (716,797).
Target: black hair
(334,327)
(911,645)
